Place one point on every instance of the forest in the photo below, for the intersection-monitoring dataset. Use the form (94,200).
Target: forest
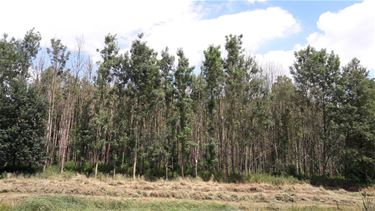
(144,113)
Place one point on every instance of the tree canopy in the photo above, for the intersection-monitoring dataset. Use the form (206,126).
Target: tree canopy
(142,113)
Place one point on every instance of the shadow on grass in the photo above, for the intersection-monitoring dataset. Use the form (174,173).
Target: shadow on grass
(334,183)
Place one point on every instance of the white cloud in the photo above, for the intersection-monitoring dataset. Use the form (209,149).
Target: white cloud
(92,19)
(276,61)
(165,23)
(194,35)
(253,1)
(349,32)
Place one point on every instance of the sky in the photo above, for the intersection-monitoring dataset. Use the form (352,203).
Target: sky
(272,29)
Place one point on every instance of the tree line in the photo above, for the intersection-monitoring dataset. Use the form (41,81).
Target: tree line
(147,114)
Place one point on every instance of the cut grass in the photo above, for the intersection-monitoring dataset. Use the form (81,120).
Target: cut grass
(70,203)
(82,203)
(5,207)
(107,193)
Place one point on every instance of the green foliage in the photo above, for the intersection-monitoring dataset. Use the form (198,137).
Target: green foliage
(263,178)
(356,119)
(5,207)
(16,56)
(22,110)
(211,157)
(152,116)
(183,83)
(59,55)
(332,182)
(54,171)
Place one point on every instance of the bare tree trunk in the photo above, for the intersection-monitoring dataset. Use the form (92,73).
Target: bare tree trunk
(166,169)
(182,160)
(246,160)
(232,153)
(135,145)
(51,105)
(197,149)
(135,159)
(96,168)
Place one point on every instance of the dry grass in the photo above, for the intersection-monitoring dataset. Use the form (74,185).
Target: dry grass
(243,196)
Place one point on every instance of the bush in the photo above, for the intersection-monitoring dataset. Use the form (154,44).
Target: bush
(255,178)
(267,178)
(21,169)
(329,181)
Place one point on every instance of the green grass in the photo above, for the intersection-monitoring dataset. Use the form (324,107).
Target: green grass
(264,178)
(5,207)
(311,209)
(70,203)
(53,171)
(270,179)
(67,203)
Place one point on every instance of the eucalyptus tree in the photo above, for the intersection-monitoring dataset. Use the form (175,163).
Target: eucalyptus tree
(284,115)
(183,82)
(144,86)
(104,102)
(239,74)
(168,133)
(316,75)
(52,77)
(204,155)
(213,72)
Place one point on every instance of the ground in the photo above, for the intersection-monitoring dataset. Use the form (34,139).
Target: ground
(82,193)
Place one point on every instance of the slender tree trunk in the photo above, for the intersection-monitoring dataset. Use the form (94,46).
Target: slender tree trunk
(182,159)
(96,167)
(135,145)
(51,103)
(135,159)
(246,160)
(166,169)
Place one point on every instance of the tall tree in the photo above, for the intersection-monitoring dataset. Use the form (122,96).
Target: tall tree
(356,119)
(144,85)
(283,109)
(213,71)
(239,71)
(167,68)
(316,75)
(22,111)
(104,110)
(183,82)
(54,135)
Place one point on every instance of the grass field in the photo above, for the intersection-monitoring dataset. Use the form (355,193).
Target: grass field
(105,193)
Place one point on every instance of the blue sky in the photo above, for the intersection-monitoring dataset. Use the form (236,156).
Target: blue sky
(307,13)
(272,29)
